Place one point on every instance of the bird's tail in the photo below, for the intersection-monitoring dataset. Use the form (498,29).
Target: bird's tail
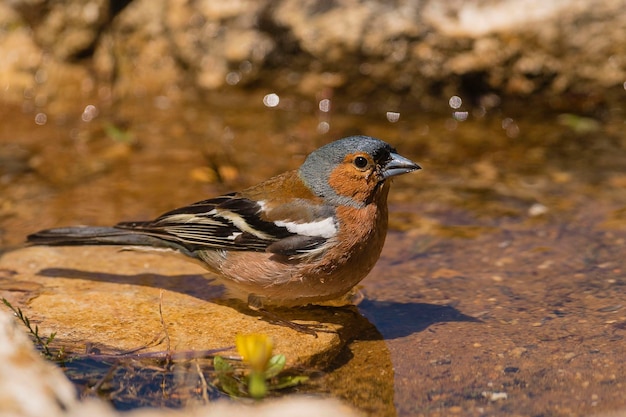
(85,235)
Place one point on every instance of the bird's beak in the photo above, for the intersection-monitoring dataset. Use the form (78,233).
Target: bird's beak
(398,165)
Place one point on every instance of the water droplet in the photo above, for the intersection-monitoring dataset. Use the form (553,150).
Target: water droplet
(245,66)
(233,78)
(89,113)
(323,127)
(271,100)
(479,112)
(510,127)
(41,119)
(455,102)
(41,76)
(460,116)
(324,105)
(393,116)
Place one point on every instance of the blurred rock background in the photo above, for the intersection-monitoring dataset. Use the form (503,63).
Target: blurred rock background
(518,218)
(561,53)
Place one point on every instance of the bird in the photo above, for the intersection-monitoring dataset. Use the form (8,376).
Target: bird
(303,237)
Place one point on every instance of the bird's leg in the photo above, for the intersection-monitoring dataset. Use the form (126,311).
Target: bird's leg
(255,303)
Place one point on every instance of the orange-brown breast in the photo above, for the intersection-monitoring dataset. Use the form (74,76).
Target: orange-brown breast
(361,237)
(353,253)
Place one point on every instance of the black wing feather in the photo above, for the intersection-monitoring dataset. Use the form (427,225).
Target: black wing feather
(229,222)
(201,226)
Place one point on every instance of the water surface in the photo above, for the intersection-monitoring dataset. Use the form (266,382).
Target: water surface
(502,284)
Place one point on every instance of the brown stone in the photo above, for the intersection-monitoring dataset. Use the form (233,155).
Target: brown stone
(111,299)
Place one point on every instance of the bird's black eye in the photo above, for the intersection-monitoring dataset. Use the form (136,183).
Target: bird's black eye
(360,162)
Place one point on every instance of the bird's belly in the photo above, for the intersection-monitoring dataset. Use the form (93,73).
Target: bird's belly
(281,281)
(303,280)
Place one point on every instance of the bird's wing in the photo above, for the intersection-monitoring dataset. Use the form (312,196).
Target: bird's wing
(231,222)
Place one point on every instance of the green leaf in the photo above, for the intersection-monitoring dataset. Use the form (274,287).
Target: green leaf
(118,134)
(289,381)
(275,365)
(579,124)
(228,383)
(221,365)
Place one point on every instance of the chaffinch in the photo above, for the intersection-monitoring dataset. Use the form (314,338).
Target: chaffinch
(305,236)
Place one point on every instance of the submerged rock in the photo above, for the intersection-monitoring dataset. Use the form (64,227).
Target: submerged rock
(31,386)
(101,301)
(114,301)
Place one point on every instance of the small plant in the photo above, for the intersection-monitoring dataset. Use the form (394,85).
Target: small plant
(44,342)
(118,134)
(256,376)
(263,369)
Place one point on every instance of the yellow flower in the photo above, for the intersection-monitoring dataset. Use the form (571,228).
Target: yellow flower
(255,349)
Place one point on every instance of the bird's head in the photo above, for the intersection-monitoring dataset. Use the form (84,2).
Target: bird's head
(350,171)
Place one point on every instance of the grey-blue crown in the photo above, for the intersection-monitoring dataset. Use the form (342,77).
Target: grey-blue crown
(317,167)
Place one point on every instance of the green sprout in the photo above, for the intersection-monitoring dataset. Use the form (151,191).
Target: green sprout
(44,342)
(579,124)
(263,369)
(118,134)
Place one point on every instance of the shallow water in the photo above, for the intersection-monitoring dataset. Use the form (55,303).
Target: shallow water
(502,284)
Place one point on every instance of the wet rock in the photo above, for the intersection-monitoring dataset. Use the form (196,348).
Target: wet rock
(570,51)
(29,386)
(66,29)
(331,31)
(521,48)
(20,55)
(220,42)
(135,55)
(337,36)
(87,306)
(115,301)
(32,386)
(30,74)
